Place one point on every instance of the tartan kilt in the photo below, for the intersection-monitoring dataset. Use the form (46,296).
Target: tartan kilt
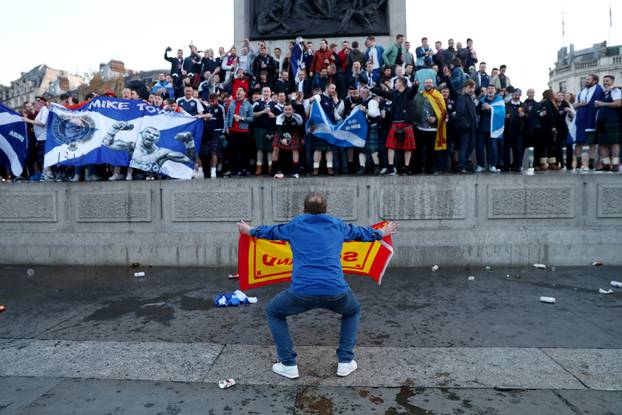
(319,144)
(609,132)
(408,143)
(263,138)
(294,145)
(372,144)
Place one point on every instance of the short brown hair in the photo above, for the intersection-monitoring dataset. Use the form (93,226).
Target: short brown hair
(469,83)
(315,203)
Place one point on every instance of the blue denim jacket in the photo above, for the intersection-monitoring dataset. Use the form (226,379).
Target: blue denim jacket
(316,242)
(246,111)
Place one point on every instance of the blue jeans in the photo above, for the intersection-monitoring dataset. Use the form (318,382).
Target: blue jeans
(288,304)
(484,140)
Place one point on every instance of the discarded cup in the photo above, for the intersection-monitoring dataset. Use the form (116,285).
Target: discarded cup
(471,278)
(30,272)
(2,308)
(234,276)
(601,291)
(226,384)
(435,268)
(616,284)
(548,300)
(139,274)
(597,263)
(539,266)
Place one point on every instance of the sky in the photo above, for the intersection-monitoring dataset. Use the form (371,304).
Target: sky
(79,35)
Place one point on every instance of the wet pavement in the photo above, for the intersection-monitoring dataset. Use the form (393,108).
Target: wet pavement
(97,340)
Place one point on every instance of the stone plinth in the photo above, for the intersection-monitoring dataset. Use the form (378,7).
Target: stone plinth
(563,219)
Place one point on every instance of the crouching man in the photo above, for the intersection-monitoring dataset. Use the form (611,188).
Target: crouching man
(316,241)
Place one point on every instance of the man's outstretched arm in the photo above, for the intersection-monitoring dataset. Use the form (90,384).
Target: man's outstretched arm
(366,234)
(273,233)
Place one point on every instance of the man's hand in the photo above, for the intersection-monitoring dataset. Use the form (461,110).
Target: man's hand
(388,229)
(244,228)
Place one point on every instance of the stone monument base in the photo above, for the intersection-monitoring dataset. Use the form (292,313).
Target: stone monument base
(557,218)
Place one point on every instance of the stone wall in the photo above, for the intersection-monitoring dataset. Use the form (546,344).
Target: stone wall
(554,218)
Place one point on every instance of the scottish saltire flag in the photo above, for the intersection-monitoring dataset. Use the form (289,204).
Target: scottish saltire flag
(13,140)
(262,262)
(497,119)
(124,133)
(351,132)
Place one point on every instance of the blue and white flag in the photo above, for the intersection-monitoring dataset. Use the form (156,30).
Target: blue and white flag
(497,117)
(351,132)
(13,140)
(124,133)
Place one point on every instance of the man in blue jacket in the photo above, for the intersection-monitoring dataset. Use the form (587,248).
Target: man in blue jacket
(316,240)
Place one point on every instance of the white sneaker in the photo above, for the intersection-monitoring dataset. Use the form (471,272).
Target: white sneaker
(382,171)
(479,169)
(115,177)
(344,369)
(75,178)
(290,372)
(493,169)
(129,178)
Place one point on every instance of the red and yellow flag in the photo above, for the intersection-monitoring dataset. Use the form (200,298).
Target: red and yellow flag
(262,262)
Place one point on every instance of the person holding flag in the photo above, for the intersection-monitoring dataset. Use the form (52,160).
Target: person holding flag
(491,109)
(316,241)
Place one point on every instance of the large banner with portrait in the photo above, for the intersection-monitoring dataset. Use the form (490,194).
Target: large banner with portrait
(123,133)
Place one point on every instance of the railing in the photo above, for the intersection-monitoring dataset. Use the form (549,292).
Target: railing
(617,59)
(586,65)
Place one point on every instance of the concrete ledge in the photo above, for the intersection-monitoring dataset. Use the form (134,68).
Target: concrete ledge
(485,367)
(558,218)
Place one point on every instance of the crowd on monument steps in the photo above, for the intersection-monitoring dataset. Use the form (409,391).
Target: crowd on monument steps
(429,109)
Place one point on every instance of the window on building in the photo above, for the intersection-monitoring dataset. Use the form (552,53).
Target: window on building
(563,87)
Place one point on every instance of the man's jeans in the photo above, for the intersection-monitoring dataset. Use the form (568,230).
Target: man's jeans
(484,140)
(288,304)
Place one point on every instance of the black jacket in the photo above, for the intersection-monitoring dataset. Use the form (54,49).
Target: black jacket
(401,102)
(466,114)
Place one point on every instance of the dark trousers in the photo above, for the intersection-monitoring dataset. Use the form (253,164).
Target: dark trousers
(241,147)
(485,141)
(513,150)
(425,156)
(467,144)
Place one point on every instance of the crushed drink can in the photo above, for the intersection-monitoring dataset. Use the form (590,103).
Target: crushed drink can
(602,291)
(597,263)
(435,268)
(616,284)
(471,278)
(539,266)
(139,274)
(548,300)
(2,308)
(488,268)
(226,384)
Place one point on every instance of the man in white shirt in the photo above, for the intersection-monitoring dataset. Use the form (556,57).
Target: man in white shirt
(41,130)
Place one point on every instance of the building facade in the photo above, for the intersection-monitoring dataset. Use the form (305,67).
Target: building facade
(573,66)
(39,81)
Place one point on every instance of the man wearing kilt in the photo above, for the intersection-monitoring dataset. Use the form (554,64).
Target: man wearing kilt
(401,135)
(371,107)
(211,146)
(289,130)
(608,126)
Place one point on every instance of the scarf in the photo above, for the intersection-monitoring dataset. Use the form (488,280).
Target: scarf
(440,112)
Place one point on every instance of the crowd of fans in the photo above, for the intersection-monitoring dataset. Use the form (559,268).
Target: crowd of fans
(428,110)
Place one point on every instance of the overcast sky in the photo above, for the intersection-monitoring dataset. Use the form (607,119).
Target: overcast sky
(78,35)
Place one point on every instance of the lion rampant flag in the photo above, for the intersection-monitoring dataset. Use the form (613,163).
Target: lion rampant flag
(262,262)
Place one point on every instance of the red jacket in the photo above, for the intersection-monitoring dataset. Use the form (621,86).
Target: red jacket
(319,58)
(343,58)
